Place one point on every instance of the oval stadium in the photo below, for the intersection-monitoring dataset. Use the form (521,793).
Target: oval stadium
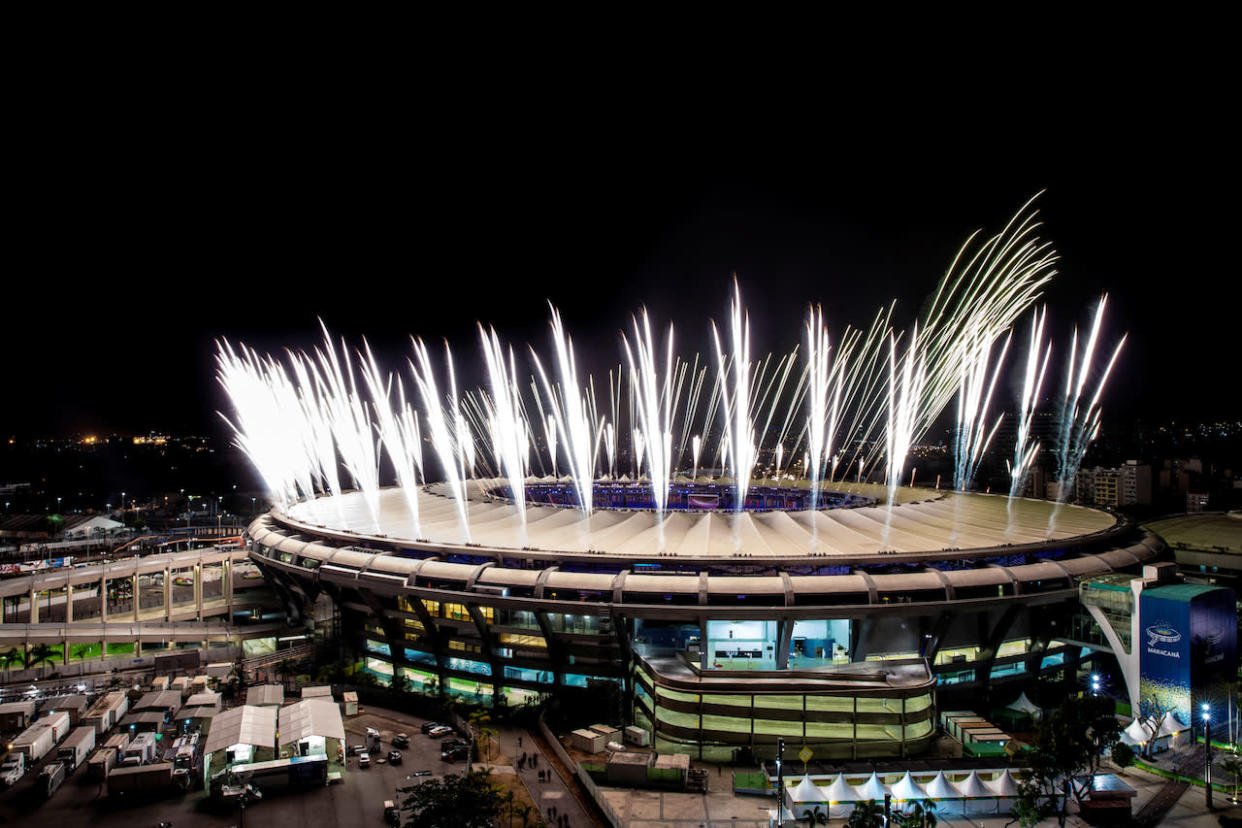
(847,626)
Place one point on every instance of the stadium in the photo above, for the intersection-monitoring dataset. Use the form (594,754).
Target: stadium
(844,627)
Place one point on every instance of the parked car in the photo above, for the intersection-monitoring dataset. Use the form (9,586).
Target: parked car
(440,730)
(394,757)
(364,760)
(456,754)
(390,813)
(453,742)
(354,750)
(427,726)
(401,740)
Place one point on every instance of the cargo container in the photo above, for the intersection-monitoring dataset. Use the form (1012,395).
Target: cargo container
(147,778)
(58,721)
(141,750)
(16,715)
(107,711)
(160,683)
(35,742)
(74,750)
(107,757)
(51,777)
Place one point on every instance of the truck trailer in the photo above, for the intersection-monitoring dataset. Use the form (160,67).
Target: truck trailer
(141,750)
(74,750)
(51,778)
(59,722)
(107,757)
(107,711)
(149,778)
(35,742)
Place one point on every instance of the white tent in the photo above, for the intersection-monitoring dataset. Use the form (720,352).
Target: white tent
(1003,786)
(841,797)
(872,789)
(941,788)
(906,789)
(805,796)
(1025,705)
(977,798)
(1171,726)
(1136,733)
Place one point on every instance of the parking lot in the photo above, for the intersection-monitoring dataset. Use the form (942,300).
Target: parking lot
(357,800)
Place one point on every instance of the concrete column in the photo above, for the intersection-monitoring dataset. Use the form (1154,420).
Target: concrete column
(34,606)
(137,648)
(226,589)
(133,579)
(103,600)
(198,590)
(64,651)
(167,594)
(68,603)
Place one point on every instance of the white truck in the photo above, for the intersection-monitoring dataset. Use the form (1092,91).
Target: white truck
(107,711)
(13,769)
(140,751)
(103,760)
(51,778)
(74,750)
(59,722)
(35,741)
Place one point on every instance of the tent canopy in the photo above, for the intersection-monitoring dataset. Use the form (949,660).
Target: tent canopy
(941,788)
(872,789)
(807,792)
(905,789)
(841,791)
(972,787)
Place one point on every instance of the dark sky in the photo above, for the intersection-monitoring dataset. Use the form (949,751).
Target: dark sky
(138,247)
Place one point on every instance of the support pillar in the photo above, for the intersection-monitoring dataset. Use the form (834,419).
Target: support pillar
(226,588)
(167,593)
(103,600)
(134,593)
(198,590)
(64,651)
(137,648)
(68,603)
(33,615)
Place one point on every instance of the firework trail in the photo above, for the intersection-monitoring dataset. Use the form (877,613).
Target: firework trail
(505,422)
(1025,449)
(441,430)
(1080,424)
(655,398)
(824,402)
(696,447)
(907,378)
(351,424)
(406,460)
(573,416)
(974,399)
(739,432)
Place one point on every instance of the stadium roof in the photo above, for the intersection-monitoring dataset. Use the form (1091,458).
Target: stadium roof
(923,520)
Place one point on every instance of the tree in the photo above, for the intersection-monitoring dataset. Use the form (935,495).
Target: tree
(1232,765)
(40,654)
(919,815)
(814,817)
(284,669)
(13,656)
(81,651)
(1067,751)
(480,723)
(1123,755)
(465,800)
(399,683)
(866,814)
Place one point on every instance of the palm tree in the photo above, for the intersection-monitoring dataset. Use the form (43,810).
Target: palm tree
(920,815)
(40,654)
(13,656)
(479,722)
(1232,764)
(81,651)
(523,811)
(866,814)
(507,799)
(815,817)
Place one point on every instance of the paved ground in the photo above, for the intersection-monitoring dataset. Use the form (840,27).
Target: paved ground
(554,793)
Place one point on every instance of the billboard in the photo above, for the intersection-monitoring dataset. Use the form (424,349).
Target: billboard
(1188,641)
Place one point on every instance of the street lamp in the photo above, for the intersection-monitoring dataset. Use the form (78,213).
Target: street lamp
(780,782)
(1095,684)
(1207,753)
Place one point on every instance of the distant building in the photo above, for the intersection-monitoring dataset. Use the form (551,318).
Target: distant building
(1196,501)
(1109,488)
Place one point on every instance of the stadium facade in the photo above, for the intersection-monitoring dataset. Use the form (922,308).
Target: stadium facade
(843,628)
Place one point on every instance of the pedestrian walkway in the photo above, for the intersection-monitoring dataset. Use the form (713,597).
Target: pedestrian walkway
(547,795)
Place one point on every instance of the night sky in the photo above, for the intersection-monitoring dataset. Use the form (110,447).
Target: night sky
(142,249)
